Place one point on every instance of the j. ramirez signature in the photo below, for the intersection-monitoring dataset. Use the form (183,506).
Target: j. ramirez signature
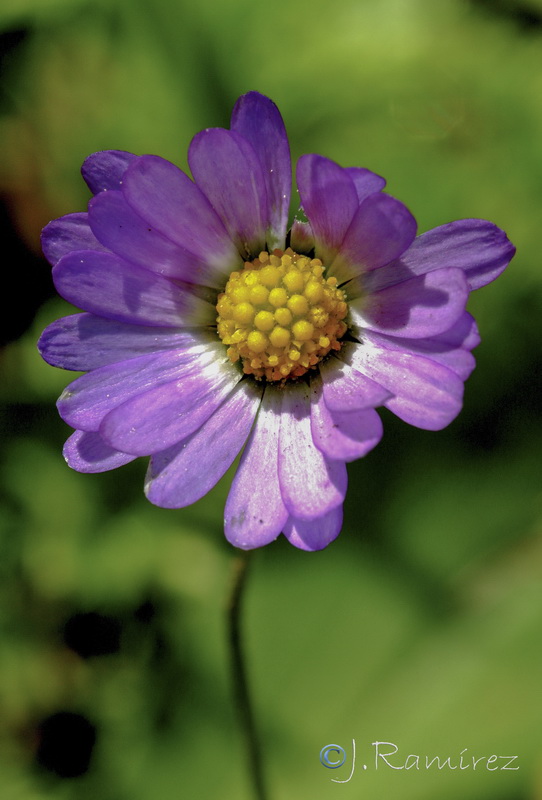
(333,756)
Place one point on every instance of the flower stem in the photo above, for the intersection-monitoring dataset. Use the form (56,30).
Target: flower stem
(239,675)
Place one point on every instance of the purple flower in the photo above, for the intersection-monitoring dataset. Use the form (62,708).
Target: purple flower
(208,327)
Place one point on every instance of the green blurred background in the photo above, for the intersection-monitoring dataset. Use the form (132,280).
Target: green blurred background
(422,624)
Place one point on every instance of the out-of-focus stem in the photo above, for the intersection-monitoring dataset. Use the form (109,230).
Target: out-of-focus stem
(239,674)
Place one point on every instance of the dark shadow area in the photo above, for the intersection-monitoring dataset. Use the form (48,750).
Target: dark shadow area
(66,742)
(92,634)
(27,283)
(527,18)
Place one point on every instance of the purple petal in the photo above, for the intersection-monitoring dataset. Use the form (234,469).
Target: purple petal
(339,435)
(119,228)
(87,452)
(451,348)
(161,417)
(346,389)
(174,206)
(329,200)
(476,246)
(254,513)
(463,334)
(105,170)
(301,237)
(381,230)
(84,342)
(365,181)
(228,171)
(317,533)
(427,394)
(104,284)
(258,119)
(63,235)
(310,483)
(85,401)
(418,308)
(184,473)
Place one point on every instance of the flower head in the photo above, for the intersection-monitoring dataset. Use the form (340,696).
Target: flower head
(209,327)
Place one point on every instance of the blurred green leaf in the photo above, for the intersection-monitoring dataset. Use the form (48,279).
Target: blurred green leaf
(25,12)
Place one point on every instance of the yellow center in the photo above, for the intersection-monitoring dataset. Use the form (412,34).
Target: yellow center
(280,315)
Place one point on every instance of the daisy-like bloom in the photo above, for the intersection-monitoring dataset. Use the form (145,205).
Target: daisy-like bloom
(208,327)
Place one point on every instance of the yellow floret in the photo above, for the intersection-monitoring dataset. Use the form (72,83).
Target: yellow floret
(224,308)
(302,330)
(264,320)
(278,297)
(298,305)
(270,276)
(239,294)
(314,292)
(243,313)
(238,336)
(257,341)
(293,280)
(283,316)
(318,316)
(279,337)
(251,279)
(259,294)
